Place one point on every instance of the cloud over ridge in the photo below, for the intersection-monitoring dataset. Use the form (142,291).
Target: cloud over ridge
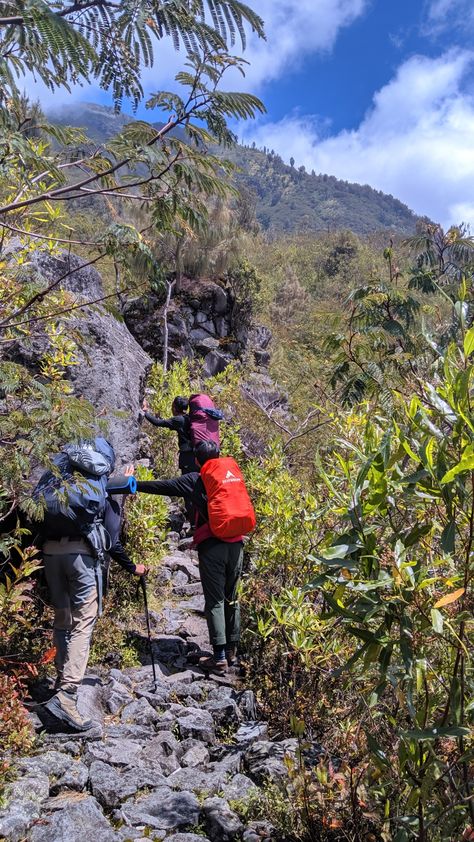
(416,141)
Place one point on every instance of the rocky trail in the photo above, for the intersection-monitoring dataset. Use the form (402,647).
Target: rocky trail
(176,763)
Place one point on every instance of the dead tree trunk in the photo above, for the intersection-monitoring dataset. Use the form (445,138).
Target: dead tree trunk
(169,285)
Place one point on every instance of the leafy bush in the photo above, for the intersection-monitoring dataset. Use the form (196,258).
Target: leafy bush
(16,732)
(368,635)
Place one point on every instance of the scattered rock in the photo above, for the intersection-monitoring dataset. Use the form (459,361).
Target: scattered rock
(247,704)
(239,788)
(197,780)
(117,696)
(198,755)
(186,837)
(215,362)
(23,801)
(76,821)
(62,770)
(222,824)
(117,752)
(162,809)
(259,832)
(140,712)
(251,732)
(265,760)
(197,723)
(223,711)
(111,786)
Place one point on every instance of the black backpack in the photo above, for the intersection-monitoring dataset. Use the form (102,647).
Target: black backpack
(74,494)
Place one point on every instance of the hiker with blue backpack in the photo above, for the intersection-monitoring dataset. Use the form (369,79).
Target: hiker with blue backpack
(80,528)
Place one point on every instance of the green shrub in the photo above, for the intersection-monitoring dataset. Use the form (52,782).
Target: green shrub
(16,732)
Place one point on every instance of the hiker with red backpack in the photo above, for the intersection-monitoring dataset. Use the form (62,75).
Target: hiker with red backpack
(224,515)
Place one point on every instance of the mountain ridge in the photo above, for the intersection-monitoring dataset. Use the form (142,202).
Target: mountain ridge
(287,199)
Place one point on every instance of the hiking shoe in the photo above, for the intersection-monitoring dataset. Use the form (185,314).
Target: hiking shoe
(63,706)
(211,665)
(231,655)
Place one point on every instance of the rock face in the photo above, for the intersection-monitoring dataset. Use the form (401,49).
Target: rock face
(111,366)
(166,764)
(201,324)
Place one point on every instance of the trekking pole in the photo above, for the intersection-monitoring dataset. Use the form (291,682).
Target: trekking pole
(147,616)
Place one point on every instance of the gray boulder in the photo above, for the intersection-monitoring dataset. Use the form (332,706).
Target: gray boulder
(196,723)
(266,761)
(223,711)
(239,788)
(222,824)
(23,801)
(215,362)
(197,755)
(76,821)
(162,809)
(140,712)
(63,771)
(186,837)
(251,732)
(111,786)
(197,780)
(246,703)
(117,752)
(161,753)
(111,366)
(117,695)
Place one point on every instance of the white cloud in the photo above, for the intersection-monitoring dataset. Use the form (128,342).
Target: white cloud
(448,15)
(416,142)
(294,29)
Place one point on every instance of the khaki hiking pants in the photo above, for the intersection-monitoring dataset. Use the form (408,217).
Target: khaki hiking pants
(71,574)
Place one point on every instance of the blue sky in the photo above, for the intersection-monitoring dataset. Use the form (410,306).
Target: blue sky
(339,83)
(374,91)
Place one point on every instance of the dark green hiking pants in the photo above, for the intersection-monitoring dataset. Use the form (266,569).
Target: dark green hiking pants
(220,566)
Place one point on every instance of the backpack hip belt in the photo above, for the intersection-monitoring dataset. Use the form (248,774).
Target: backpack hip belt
(67,546)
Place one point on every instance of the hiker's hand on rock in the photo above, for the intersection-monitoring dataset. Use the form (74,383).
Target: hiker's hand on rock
(141,570)
(145,405)
(128,470)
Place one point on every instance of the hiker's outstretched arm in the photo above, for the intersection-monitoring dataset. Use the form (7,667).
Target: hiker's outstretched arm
(160,422)
(178,487)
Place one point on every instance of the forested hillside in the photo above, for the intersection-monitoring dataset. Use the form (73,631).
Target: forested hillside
(343,363)
(286,198)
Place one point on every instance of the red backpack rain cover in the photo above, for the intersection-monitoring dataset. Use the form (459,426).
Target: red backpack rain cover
(230,509)
(204,419)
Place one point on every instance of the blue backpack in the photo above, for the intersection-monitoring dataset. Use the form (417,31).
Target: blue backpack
(74,494)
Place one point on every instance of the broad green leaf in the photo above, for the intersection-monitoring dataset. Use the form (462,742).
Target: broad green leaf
(469,342)
(376,750)
(447,537)
(338,551)
(466,464)
(437,620)
(451,731)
